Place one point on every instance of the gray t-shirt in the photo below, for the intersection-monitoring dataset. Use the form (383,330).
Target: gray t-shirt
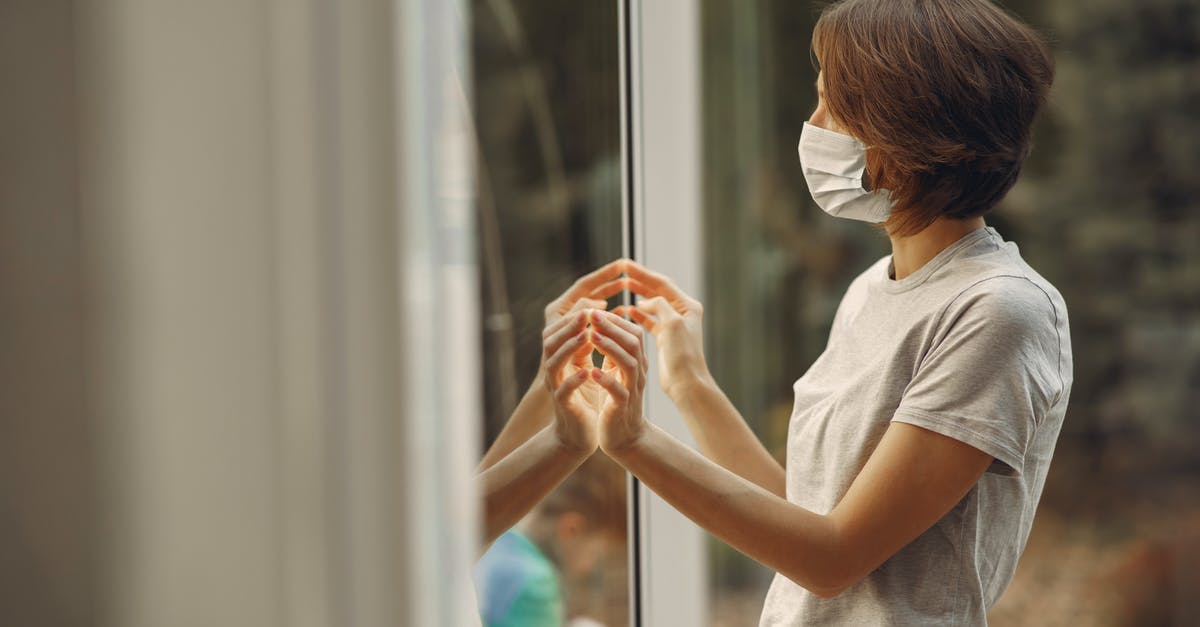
(975,346)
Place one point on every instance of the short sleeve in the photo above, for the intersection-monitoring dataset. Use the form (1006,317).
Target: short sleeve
(991,372)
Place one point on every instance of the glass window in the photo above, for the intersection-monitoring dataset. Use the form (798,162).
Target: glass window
(775,265)
(548,126)
(1106,210)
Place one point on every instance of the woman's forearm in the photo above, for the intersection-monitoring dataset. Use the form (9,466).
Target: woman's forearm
(724,436)
(533,413)
(799,544)
(515,484)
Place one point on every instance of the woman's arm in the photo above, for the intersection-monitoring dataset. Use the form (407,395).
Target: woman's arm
(911,481)
(675,320)
(536,409)
(913,478)
(515,484)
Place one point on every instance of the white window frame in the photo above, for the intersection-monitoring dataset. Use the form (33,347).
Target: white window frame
(661,149)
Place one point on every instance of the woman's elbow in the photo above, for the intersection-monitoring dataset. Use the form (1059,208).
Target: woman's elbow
(832,572)
(830,581)
(824,585)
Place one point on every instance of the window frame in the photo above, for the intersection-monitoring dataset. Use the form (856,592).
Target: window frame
(661,133)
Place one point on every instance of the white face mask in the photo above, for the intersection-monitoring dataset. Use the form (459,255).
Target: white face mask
(833,165)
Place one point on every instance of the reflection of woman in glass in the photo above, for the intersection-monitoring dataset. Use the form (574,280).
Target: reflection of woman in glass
(920,439)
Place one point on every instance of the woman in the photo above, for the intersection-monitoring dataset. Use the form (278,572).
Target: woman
(920,439)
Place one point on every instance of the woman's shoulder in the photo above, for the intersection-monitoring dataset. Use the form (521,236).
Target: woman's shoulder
(1015,299)
(1005,286)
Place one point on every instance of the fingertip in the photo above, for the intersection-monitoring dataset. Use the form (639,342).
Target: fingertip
(597,374)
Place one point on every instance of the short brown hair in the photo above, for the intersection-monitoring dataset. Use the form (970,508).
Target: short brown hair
(942,92)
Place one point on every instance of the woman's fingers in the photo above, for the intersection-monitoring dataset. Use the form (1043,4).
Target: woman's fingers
(643,289)
(642,279)
(563,392)
(659,308)
(571,325)
(608,281)
(640,288)
(583,355)
(619,328)
(640,317)
(584,287)
(618,319)
(628,337)
(576,320)
(629,365)
(637,332)
(612,385)
(607,291)
(589,303)
(558,356)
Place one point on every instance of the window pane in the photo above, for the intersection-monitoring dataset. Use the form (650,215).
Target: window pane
(548,126)
(1106,210)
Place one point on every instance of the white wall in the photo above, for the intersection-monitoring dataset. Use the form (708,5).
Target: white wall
(204,282)
(176,205)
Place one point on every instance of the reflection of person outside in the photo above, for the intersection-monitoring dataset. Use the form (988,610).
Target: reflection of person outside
(539,572)
(544,441)
(920,439)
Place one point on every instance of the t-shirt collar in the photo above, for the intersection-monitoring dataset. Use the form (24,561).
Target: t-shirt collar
(924,272)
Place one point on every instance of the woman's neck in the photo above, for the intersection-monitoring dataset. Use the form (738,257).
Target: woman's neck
(911,252)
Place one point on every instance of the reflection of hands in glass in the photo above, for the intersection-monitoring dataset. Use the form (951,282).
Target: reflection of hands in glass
(591,290)
(535,410)
(623,379)
(675,319)
(566,353)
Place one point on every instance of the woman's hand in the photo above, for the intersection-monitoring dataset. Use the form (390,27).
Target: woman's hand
(676,322)
(590,291)
(536,409)
(623,378)
(593,289)
(567,376)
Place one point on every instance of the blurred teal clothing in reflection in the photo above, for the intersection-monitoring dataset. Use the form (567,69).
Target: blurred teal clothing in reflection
(518,586)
